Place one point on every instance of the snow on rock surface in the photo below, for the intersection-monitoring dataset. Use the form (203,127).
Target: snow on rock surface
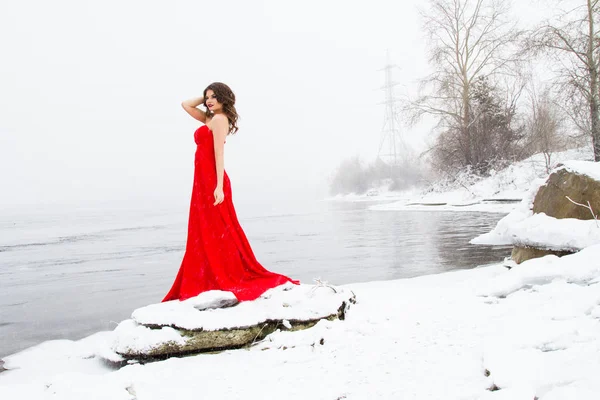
(130,337)
(589,168)
(286,302)
(523,228)
(212,299)
(544,232)
(178,327)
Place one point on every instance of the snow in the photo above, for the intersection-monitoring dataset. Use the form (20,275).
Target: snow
(553,302)
(210,299)
(502,233)
(467,192)
(288,301)
(504,331)
(130,337)
(578,268)
(283,303)
(544,232)
(584,168)
(491,207)
(534,327)
(523,228)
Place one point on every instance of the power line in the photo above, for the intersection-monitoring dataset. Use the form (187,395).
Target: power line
(392,148)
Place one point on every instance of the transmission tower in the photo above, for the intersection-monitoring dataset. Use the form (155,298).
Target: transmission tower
(392,148)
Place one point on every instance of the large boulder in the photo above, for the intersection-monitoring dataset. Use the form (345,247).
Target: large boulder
(551,198)
(546,221)
(215,321)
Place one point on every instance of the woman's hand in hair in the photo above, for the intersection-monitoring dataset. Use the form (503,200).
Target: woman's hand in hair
(190,107)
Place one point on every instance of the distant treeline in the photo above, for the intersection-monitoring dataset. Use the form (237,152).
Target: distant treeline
(484,94)
(353,176)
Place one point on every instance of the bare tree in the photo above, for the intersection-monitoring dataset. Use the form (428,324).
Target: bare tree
(574,43)
(543,125)
(468,39)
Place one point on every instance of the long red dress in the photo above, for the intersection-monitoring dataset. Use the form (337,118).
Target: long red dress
(217,254)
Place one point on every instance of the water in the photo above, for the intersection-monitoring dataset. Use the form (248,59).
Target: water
(65,275)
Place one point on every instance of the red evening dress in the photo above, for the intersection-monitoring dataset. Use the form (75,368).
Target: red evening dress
(217,253)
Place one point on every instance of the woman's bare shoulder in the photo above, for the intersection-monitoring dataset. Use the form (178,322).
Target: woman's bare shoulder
(217,120)
(220,117)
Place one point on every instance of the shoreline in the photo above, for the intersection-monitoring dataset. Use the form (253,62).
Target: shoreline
(451,335)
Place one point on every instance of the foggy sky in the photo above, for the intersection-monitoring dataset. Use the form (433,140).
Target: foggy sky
(90,93)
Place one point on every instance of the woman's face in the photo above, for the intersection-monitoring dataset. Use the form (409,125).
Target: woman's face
(212,103)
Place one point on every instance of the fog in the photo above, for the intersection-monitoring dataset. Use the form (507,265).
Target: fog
(91,91)
(90,94)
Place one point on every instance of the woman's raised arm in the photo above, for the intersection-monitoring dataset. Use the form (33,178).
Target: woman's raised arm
(190,107)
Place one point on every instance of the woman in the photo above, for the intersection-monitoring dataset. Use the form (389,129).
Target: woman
(217,254)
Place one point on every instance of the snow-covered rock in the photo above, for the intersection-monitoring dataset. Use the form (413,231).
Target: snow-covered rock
(179,327)
(546,221)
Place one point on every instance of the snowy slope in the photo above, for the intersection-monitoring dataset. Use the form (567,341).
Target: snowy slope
(471,193)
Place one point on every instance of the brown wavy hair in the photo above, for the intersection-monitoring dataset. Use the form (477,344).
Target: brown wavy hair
(226,97)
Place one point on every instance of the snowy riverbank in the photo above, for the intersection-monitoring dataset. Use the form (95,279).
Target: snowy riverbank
(500,192)
(533,330)
(503,331)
